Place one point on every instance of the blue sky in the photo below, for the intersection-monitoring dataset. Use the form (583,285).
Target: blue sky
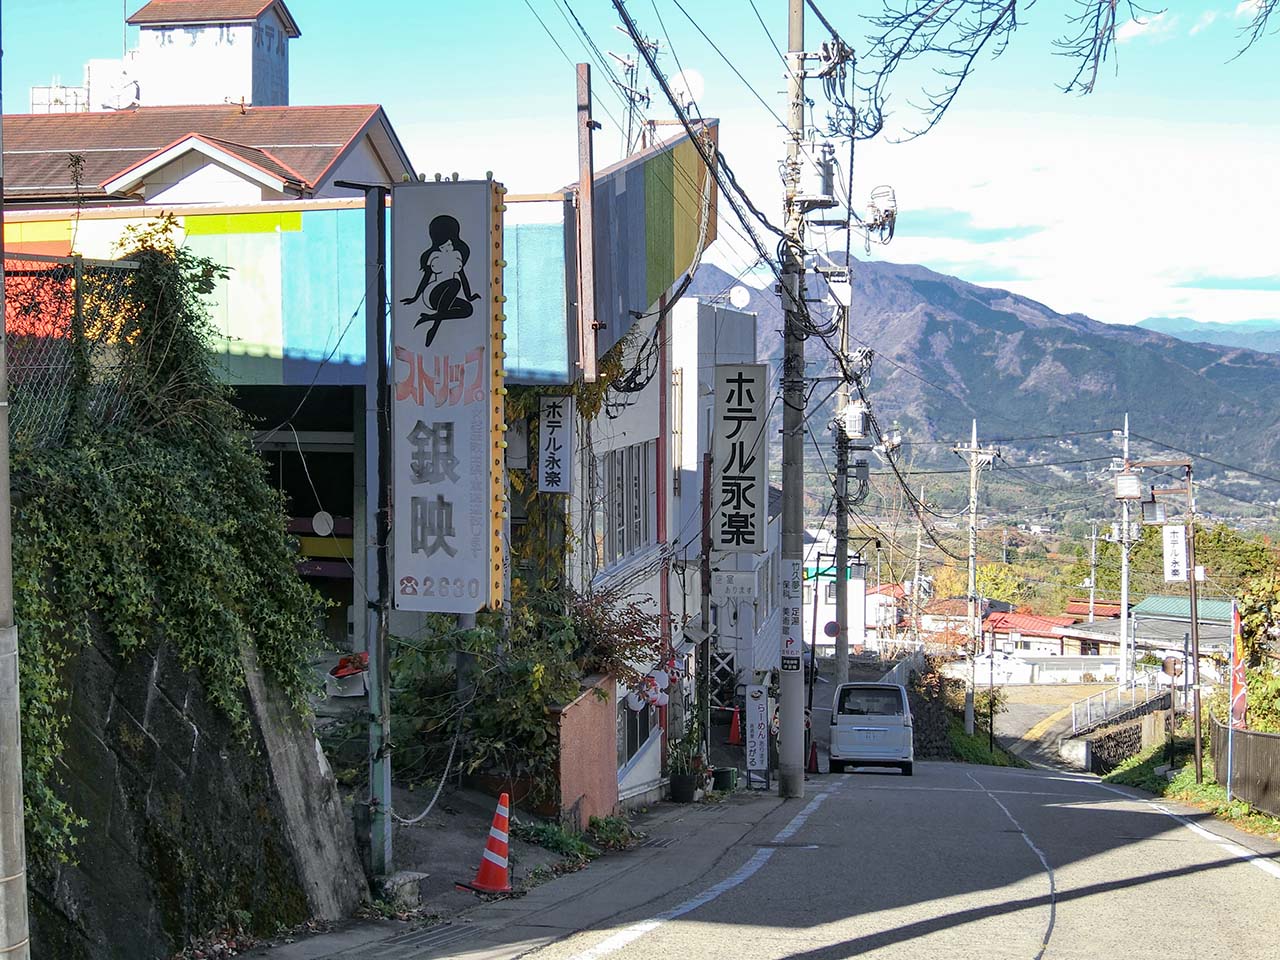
(1156,195)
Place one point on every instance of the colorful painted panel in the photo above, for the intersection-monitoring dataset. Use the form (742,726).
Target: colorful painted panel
(291,310)
(654,214)
(538,331)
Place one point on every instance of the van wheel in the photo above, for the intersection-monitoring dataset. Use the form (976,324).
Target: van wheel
(837,766)
(905,768)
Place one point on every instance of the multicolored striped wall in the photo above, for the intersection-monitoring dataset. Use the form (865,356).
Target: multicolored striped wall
(291,310)
(654,212)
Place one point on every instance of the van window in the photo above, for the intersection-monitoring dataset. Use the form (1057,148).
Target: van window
(870,702)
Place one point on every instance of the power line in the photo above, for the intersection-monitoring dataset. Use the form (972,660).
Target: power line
(1207,459)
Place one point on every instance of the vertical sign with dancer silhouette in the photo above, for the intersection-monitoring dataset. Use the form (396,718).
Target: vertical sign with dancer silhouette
(447,462)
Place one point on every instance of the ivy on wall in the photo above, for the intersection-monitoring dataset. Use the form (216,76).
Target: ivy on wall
(161,528)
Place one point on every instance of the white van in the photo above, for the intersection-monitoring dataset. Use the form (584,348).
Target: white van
(871,727)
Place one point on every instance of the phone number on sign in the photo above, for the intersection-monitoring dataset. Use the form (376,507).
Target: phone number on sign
(449,587)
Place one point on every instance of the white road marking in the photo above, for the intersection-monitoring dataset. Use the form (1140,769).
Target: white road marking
(1260,860)
(630,934)
(1017,793)
(1053,887)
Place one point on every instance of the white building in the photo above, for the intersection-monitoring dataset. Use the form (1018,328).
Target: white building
(189,52)
(819,595)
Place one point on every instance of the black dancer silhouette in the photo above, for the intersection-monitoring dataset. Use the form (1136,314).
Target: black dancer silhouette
(444,279)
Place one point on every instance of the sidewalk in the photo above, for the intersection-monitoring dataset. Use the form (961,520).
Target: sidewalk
(685,841)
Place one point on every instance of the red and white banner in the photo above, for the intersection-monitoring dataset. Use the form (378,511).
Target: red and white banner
(1239,674)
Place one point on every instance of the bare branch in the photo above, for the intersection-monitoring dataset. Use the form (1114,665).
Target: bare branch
(1262,10)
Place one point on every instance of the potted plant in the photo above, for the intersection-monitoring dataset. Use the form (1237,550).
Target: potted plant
(683,759)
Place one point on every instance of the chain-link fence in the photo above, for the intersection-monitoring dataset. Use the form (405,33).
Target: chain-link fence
(64,317)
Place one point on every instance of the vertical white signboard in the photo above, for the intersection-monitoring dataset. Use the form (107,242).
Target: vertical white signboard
(757,728)
(739,484)
(446,488)
(792,619)
(1175,553)
(555,443)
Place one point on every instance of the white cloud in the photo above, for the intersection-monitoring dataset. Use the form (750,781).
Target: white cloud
(1205,21)
(1151,27)
(1248,8)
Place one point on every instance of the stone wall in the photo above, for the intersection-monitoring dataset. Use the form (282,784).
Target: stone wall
(1101,751)
(186,824)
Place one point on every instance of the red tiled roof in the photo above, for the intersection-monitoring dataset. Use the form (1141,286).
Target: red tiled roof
(1101,608)
(305,141)
(951,607)
(1027,624)
(209,11)
(896,590)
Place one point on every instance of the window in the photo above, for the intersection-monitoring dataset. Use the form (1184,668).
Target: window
(806,596)
(634,727)
(871,702)
(599,532)
(624,502)
(831,592)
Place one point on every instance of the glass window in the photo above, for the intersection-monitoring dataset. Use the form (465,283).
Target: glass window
(870,702)
(652,481)
(599,521)
(636,500)
(617,507)
(831,592)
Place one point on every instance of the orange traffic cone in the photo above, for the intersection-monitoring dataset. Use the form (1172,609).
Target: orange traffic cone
(735,730)
(813,758)
(494,876)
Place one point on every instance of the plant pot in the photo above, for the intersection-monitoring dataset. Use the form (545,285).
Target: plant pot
(683,786)
(725,778)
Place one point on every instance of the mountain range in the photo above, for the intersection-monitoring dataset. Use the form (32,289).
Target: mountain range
(948,351)
(1261,335)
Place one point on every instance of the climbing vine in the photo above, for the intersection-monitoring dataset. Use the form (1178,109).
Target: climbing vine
(538,553)
(158,528)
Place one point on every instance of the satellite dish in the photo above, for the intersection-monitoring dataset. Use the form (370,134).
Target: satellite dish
(740,297)
(688,86)
(322,524)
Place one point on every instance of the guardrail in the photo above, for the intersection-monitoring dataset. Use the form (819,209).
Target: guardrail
(1100,706)
(901,672)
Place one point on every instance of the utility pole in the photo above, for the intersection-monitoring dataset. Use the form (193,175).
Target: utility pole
(14,936)
(976,457)
(703,692)
(842,526)
(1189,520)
(1195,626)
(634,95)
(915,582)
(1125,538)
(1093,567)
(791,685)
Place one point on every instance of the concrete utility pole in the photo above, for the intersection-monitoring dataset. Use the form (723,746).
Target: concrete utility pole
(976,457)
(915,582)
(14,939)
(1124,537)
(842,544)
(791,686)
(1093,568)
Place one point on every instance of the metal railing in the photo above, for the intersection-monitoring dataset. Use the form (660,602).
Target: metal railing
(1085,713)
(1255,765)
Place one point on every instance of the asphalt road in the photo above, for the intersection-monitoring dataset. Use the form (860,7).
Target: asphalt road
(957,861)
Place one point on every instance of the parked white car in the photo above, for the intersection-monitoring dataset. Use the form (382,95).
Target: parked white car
(871,727)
